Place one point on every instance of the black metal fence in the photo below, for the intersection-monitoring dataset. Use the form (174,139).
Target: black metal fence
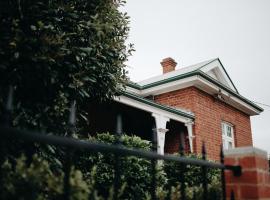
(7,133)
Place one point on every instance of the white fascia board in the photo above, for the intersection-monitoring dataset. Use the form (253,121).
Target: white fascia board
(204,85)
(210,66)
(221,74)
(133,90)
(230,99)
(244,105)
(170,86)
(148,108)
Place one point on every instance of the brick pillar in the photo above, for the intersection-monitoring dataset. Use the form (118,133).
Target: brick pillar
(254,183)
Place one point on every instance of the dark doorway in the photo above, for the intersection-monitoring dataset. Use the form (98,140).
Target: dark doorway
(102,118)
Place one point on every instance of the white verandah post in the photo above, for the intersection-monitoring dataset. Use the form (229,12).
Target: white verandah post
(190,135)
(161,130)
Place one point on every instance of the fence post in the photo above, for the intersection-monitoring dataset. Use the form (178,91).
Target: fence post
(154,164)
(68,156)
(182,171)
(116,184)
(204,173)
(223,182)
(6,123)
(254,183)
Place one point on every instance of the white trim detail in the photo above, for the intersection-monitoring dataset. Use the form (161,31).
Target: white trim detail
(202,84)
(161,130)
(227,135)
(219,72)
(190,135)
(213,68)
(170,86)
(151,109)
(133,90)
(212,89)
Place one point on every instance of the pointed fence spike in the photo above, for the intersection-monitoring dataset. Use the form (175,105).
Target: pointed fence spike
(182,168)
(223,182)
(8,108)
(181,146)
(204,173)
(154,139)
(117,165)
(9,104)
(119,125)
(203,151)
(153,166)
(221,154)
(72,115)
(194,195)
(232,195)
(6,123)
(69,152)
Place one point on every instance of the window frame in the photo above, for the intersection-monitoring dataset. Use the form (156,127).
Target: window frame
(226,139)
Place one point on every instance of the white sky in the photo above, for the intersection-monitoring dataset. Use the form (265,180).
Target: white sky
(191,31)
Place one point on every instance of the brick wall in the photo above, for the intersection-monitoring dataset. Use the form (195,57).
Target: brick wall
(254,183)
(209,113)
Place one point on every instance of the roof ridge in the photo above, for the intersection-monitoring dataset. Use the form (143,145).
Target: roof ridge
(210,61)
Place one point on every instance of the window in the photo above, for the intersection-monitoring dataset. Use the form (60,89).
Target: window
(227,136)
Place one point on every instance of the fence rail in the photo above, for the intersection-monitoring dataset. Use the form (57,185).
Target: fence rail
(105,148)
(7,133)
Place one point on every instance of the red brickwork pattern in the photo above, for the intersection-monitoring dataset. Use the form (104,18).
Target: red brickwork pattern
(168,65)
(209,113)
(254,183)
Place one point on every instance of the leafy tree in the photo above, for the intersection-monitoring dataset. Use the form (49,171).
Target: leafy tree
(53,52)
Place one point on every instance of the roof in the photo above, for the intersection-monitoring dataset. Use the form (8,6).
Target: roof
(177,72)
(210,70)
(177,111)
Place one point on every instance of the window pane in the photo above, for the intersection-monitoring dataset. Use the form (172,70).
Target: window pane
(230,145)
(227,136)
(229,131)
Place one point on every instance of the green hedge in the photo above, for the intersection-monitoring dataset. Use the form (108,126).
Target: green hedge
(134,171)
(93,173)
(38,181)
(193,179)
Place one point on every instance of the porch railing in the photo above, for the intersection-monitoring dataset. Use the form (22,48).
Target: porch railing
(7,132)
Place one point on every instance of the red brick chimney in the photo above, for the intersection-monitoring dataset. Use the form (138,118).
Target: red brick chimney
(168,65)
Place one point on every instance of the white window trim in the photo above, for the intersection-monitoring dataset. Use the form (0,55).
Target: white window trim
(225,138)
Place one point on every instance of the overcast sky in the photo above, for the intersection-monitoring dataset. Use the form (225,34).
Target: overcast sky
(191,31)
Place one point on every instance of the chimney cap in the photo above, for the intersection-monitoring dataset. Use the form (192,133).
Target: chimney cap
(168,64)
(168,59)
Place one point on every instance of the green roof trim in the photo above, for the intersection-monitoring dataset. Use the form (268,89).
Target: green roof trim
(157,105)
(209,78)
(134,85)
(227,75)
(197,73)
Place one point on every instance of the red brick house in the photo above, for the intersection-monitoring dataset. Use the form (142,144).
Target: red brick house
(191,104)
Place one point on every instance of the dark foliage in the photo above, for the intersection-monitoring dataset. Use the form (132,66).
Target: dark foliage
(53,52)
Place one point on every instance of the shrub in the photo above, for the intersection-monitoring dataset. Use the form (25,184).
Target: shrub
(193,179)
(135,172)
(38,181)
(93,173)
(193,174)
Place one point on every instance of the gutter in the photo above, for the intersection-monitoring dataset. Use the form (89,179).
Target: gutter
(196,73)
